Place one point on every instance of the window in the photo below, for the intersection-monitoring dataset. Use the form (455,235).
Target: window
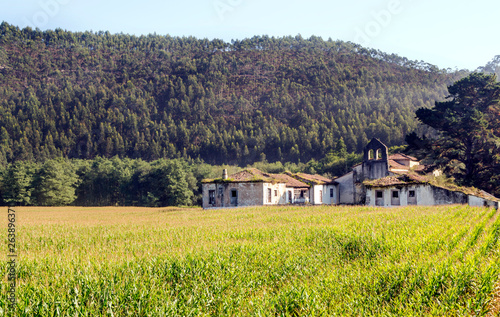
(331,192)
(302,194)
(395,198)
(269,195)
(412,197)
(211,197)
(371,155)
(234,197)
(220,191)
(275,193)
(379,198)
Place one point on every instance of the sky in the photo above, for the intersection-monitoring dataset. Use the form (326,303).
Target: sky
(454,34)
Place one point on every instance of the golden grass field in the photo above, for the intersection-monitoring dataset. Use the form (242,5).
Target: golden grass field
(282,261)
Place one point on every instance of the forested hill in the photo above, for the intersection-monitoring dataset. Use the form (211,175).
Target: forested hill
(82,95)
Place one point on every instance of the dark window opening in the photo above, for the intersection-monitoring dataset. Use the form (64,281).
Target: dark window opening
(234,197)
(301,194)
(411,193)
(380,194)
(395,198)
(269,195)
(275,192)
(211,197)
(331,192)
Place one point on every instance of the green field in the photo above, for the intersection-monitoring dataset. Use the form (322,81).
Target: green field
(262,261)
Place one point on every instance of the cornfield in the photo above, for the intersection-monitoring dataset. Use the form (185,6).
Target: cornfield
(259,261)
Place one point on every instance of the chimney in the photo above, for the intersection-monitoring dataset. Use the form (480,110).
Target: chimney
(224,174)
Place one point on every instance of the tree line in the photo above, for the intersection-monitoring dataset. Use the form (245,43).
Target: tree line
(133,182)
(100,182)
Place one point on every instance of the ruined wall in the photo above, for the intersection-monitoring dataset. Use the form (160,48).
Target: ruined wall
(297,199)
(425,195)
(327,199)
(204,191)
(480,202)
(375,169)
(443,196)
(346,188)
(278,193)
(247,194)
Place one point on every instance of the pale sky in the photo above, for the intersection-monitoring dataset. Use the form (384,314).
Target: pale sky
(449,34)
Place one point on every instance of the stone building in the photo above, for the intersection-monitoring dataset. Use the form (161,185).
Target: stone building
(252,187)
(380,180)
(404,190)
(399,180)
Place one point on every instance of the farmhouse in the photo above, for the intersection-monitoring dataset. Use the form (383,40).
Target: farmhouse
(252,187)
(380,180)
(412,189)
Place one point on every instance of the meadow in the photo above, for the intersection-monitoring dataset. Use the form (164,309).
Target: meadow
(259,261)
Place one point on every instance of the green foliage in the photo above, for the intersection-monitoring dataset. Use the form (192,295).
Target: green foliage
(16,183)
(469,145)
(84,95)
(55,183)
(104,182)
(169,184)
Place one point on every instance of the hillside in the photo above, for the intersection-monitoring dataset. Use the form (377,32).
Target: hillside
(82,95)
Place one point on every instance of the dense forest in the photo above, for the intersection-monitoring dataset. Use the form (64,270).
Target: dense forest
(131,182)
(289,99)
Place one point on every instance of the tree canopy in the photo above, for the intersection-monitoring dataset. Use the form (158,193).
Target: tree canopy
(86,94)
(469,125)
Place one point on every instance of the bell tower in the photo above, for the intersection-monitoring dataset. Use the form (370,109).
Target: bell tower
(375,160)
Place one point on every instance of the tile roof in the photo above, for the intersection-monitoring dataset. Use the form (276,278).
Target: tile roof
(290,181)
(311,179)
(249,175)
(401,156)
(412,178)
(315,177)
(255,175)
(395,165)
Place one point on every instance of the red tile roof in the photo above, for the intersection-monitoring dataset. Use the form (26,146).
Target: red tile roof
(255,175)
(401,156)
(395,165)
(290,181)
(311,179)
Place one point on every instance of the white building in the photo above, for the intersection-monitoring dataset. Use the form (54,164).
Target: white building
(380,180)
